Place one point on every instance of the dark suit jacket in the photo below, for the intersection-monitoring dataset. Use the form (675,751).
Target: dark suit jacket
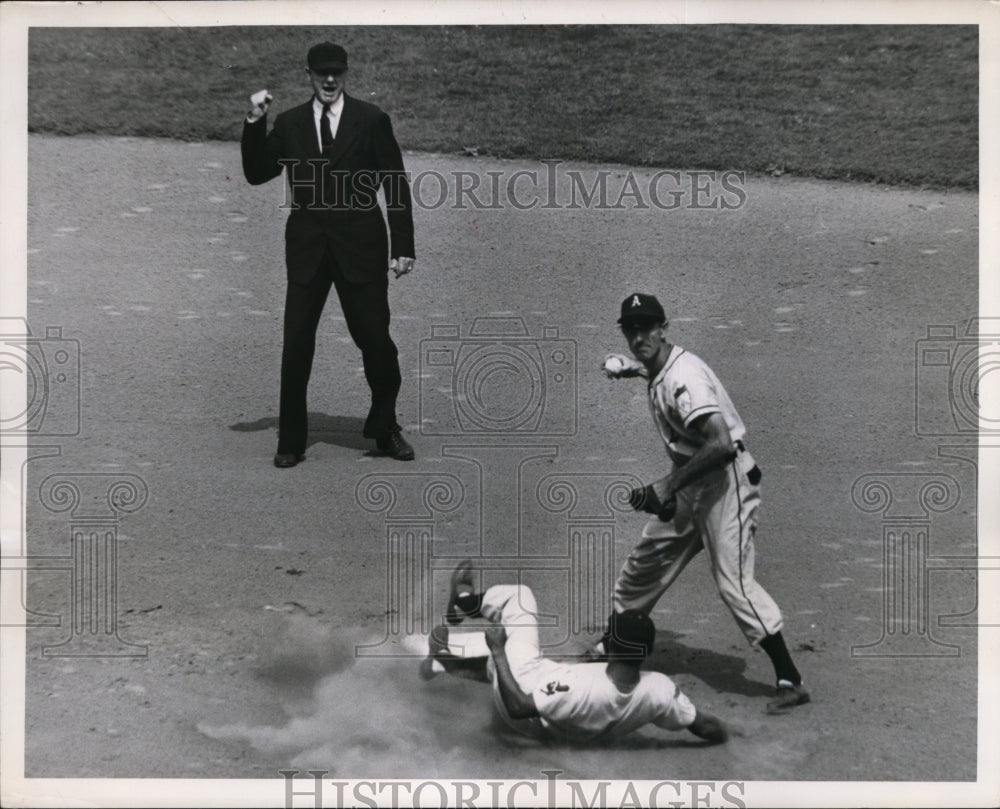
(334,196)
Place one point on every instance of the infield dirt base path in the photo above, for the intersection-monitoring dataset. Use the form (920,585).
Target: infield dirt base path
(252,586)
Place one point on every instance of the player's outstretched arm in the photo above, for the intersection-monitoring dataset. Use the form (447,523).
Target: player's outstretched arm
(518,704)
(618,366)
(707,727)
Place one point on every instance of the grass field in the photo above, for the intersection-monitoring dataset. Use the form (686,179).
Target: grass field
(889,104)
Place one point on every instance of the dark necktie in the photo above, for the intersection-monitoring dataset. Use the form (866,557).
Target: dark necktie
(325,133)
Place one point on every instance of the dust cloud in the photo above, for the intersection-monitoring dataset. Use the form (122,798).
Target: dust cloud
(364,716)
(372,717)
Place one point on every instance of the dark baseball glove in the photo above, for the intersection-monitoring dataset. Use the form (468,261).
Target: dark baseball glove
(645,498)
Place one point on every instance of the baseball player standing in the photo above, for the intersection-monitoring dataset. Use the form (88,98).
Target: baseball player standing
(710,498)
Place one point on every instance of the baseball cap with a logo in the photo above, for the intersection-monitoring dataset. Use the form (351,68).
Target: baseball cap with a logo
(641,308)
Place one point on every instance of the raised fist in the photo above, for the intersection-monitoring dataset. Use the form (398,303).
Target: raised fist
(259,102)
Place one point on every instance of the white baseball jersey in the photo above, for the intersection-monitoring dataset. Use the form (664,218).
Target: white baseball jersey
(684,389)
(575,701)
(581,703)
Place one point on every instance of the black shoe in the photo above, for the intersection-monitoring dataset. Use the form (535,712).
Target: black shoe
(462,581)
(285,460)
(395,446)
(786,697)
(437,650)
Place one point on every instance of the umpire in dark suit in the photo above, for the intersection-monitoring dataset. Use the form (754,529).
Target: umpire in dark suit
(336,152)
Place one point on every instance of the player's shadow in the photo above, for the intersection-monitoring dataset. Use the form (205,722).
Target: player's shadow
(344,431)
(722,672)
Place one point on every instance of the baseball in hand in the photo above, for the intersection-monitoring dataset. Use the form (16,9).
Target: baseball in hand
(614,365)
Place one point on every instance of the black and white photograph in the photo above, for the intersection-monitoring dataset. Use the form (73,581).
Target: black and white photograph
(499,404)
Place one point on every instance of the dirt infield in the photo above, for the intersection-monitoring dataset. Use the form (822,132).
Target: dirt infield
(251,588)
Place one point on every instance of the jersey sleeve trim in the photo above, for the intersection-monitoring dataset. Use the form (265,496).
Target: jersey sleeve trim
(701,411)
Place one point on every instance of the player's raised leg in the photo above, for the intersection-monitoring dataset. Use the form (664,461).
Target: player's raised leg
(463,599)
(441,657)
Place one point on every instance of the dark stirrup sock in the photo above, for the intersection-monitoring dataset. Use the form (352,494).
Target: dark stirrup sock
(784,668)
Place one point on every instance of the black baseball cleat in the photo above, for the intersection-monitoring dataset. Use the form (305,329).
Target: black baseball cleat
(438,650)
(395,446)
(787,697)
(286,460)
(463,589)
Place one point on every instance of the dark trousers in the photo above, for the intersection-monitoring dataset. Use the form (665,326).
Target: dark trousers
(366,310)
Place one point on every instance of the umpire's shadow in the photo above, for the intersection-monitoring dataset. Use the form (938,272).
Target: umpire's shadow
(344,431)
(722,672)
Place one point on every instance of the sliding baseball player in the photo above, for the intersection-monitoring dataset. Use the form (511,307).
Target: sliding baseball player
(559,701)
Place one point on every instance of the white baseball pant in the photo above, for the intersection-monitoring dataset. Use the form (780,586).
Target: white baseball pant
(717,513)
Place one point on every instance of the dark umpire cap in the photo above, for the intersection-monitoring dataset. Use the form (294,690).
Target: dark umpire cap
(327,56)
(640,308)
(631,633)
